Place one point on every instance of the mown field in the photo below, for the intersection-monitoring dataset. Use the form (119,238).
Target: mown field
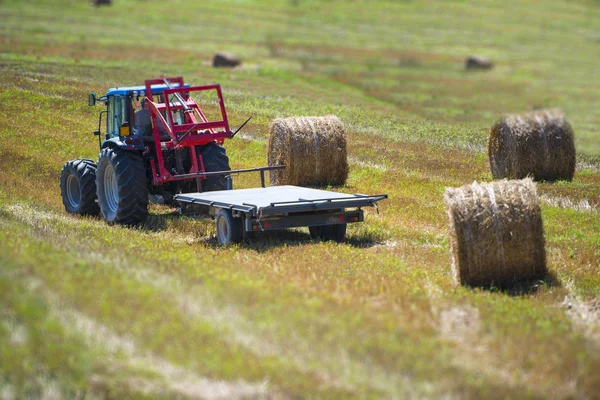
(89,310)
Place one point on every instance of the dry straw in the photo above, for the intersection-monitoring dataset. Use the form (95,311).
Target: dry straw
(496,233)
(313,149)
(538,144)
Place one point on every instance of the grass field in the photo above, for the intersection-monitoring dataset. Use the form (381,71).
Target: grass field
(90,310)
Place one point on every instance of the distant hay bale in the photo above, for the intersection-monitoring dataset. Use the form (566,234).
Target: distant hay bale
(478,63)
(539,144)
(496,233)
(313,149)
(225,60)
(99,3)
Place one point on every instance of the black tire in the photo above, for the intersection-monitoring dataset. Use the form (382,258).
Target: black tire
(122,187)
(214,159)
(315,232)
(338,232)
(335,232)
(229,229)
(78,187)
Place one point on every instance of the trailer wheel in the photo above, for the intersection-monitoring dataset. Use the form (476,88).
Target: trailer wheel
(229,229)
(122,187)
(338,232)
(315,232)
(335,232)
(78,187)
(214,159)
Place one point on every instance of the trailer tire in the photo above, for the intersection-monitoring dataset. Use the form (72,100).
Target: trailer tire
(214,158)
(122,187)
(229,229)
(315,232)
(335,232)
(338,232)
(78,187)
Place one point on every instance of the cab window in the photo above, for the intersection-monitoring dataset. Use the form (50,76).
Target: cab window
(117,115)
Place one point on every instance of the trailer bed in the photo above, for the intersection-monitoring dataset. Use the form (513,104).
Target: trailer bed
(238,212)
(278,199)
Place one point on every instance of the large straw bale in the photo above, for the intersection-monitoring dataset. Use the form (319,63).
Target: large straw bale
(496,233)
(313,149)
(539,144)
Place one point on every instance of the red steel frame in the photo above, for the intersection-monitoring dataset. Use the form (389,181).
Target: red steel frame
(195,131)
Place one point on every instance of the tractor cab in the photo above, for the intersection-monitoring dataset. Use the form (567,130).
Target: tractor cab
(128,113)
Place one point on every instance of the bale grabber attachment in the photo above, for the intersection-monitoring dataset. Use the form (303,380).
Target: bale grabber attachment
(179,124)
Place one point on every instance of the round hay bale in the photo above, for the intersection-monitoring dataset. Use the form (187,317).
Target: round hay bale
(313,149)
(478,63)
(496,233)
(99,3)
(540,144)
(225,60)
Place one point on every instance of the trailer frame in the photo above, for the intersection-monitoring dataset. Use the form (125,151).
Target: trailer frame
(259,209)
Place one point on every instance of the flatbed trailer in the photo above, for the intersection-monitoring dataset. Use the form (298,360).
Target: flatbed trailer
(240,211)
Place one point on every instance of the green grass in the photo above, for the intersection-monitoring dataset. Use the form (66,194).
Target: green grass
(162,311)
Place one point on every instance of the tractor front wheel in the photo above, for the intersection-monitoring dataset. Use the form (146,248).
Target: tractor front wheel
(215,159)
(122,187)
(78,187)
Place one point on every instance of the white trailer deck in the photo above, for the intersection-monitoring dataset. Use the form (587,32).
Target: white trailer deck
(276,199)
(277,207)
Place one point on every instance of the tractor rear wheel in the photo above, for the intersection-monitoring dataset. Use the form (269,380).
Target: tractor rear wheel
(78,187)
(122,187)
(214,159)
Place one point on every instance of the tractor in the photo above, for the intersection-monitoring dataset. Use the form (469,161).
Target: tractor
(157,143)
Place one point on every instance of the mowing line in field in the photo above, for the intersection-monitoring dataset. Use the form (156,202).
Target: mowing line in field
(461,325)
(565,202)
(180,380)
(336,367)
(584,314)
(173,379)
(198,305)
